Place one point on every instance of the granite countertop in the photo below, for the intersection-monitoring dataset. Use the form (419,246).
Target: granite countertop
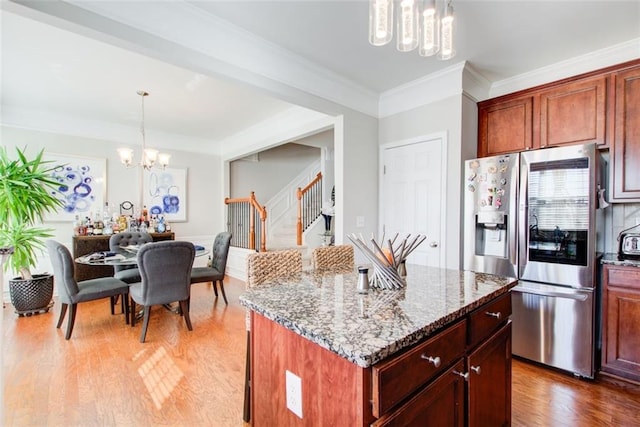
(365,329)
(609,258)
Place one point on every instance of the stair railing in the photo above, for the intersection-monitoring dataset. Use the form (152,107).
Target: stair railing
(309,206)
(246,232)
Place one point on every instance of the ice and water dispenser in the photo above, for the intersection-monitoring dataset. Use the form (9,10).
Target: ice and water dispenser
(491,234)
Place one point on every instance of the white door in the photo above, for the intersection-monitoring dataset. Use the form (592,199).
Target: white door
(412,197)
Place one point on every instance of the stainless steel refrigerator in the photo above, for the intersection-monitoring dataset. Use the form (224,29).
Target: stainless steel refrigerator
(533,216)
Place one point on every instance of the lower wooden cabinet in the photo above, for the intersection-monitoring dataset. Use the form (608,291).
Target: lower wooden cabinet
(621,322)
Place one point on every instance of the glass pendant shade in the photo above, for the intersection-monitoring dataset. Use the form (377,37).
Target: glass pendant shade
(430,30)
(380,22)
(447,47)
(407,25)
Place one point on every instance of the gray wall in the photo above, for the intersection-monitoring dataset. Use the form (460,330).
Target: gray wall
(273,169)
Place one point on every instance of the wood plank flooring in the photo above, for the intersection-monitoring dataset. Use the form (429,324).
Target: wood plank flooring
(104,376)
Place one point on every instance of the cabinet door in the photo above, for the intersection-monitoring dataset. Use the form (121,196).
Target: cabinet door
(505,127)
(490,381)
(626,144)
(574,113)
(439,404)
(621,340)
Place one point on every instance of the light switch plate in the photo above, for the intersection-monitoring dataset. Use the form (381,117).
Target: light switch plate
(293,385)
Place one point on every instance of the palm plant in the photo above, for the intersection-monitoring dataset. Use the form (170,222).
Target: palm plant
(26,195)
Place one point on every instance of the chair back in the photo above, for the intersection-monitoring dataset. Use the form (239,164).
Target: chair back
(63,269)
(336,258)
(263,267)
(165,268)
(220,251)
(126,238)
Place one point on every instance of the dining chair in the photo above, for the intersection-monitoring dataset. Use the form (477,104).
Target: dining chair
(333,258)
(215,272)
(264,267)
(127,273)
(72,292)
(165,271)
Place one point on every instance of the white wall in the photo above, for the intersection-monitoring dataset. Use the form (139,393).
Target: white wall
(205,214)
(440,116)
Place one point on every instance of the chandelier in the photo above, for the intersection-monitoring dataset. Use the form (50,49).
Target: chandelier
(150,157)
(426,28)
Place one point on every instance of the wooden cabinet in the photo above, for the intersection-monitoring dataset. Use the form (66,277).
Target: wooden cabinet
(621,322)
(505,127)
(626,145)
(574,113)
(484,363)
(83,245)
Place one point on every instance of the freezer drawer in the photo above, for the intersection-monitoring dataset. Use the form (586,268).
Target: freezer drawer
(554,325)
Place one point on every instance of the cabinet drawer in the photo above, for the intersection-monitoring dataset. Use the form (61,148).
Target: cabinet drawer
(395,379)
(627,277)
(488,318)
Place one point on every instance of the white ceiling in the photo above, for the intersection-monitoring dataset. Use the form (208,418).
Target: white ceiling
(49,69)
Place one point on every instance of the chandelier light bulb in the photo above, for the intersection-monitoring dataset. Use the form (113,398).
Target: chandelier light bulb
(380,22)
(430,34)
(407,25)
(447,50)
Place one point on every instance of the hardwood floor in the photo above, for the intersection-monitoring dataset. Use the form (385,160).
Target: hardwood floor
(104,376)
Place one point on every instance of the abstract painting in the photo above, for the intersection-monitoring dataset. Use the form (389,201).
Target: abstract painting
(165,193)
(82,186)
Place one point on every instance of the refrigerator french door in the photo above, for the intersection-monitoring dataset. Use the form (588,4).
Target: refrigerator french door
(554,304)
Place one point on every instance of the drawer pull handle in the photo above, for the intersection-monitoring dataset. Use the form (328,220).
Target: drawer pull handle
(460,374)
(433,360)
(497,314)
(476,369)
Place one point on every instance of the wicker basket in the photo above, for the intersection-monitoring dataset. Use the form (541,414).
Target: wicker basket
(31,296)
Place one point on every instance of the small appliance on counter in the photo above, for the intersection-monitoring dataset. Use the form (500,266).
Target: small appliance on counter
(629,244)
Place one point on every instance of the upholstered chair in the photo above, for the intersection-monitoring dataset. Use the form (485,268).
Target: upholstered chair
(264,267)
(333,258)
(218,265)
(165,271)
(71,292)
(127,273)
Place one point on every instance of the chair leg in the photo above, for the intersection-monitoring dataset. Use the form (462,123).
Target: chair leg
(223,294)
(132,312)
(71,321)
(125,307)
(185,313)
(63,311)
(215,288)
(145,322)
(113,300)
(246,413)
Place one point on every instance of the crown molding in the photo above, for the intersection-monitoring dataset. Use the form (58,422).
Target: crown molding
(431,88)
(591,61)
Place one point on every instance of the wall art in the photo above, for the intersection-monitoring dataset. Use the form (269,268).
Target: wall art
(165,193)
(82,186)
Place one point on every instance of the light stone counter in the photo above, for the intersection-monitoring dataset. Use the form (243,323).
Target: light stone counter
(365,329)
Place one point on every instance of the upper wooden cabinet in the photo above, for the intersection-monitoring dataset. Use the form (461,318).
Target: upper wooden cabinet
(573,112)
(505,127)
(626,145)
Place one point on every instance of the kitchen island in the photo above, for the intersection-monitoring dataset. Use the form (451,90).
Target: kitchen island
(438,349)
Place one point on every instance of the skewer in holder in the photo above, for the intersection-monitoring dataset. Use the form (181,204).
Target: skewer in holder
(387,258)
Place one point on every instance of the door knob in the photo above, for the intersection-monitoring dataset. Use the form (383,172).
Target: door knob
(433,244)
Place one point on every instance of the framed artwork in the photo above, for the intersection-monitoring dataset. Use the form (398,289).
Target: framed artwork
(82,186)
(164,192)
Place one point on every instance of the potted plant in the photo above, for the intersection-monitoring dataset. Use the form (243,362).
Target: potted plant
(25,196)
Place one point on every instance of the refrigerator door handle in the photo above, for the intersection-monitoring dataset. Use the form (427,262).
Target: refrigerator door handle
(569,295)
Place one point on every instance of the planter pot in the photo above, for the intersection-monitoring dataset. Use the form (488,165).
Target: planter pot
(31,296)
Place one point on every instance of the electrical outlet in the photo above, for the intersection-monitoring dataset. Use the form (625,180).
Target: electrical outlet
(360,221)
(293,385)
